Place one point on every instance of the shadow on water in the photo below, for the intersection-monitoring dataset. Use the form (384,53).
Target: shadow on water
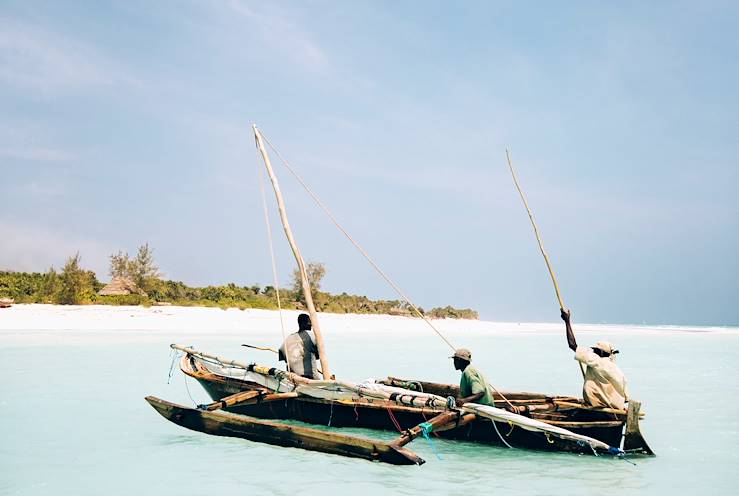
(182,440)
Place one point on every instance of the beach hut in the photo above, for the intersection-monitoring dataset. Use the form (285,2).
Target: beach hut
(399,311)
(120,286)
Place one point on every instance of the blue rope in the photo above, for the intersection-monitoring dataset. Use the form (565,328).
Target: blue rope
(426,429)
(619,453)
(623,457)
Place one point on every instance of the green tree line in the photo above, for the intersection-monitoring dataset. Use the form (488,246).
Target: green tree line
(73,285)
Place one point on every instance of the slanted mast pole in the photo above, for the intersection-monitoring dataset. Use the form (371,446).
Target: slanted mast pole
(298,258)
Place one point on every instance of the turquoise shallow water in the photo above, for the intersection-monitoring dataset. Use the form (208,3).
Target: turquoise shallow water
(73,419)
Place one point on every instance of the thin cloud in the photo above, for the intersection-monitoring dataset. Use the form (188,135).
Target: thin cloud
(276,31)
(40,60)
(37,154)
(40,189)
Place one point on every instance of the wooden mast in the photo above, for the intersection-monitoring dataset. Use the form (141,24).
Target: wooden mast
(298,258)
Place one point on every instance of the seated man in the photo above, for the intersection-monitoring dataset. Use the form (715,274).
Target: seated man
(300,351)
(473,387)
(605,384)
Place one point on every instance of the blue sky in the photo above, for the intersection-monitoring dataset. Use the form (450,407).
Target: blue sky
(129,122)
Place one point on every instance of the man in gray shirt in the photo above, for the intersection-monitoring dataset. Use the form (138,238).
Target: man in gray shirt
(300,351)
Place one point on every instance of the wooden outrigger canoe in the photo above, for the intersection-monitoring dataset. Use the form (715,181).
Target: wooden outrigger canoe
(222,423)
(617,428)
(413,408)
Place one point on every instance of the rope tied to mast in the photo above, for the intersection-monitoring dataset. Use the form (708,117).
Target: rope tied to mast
(355,243)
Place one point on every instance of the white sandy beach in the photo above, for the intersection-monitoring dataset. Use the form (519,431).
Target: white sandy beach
(196,319)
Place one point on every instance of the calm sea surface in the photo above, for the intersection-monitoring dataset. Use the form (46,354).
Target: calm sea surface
(73,419)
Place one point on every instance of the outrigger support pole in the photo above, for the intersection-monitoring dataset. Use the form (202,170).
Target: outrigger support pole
(443,422)
(298,258)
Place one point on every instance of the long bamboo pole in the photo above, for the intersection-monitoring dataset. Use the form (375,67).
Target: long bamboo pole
(298,258)
(536,233)
(562,306)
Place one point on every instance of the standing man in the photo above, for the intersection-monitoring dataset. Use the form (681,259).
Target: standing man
(473,387)
(605,384)
(300,351)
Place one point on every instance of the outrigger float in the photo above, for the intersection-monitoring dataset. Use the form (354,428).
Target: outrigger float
(249,399)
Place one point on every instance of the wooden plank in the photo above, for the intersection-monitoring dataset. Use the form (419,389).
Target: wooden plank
(633,439)
(563,405)
(228,424)
(231,400)
(246,398)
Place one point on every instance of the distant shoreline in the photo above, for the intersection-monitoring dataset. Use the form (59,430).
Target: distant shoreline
(76,286)
(47,317)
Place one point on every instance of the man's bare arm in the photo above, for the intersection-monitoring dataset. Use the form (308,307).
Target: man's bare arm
(469,399)
(571,342)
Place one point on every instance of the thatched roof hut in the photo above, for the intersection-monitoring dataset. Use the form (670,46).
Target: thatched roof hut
(403,312)
(120,286)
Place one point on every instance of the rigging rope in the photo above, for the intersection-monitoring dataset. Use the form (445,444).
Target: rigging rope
(356,245)
(187,388)
(272,256)
(393,419)
(173,355)
(501,437)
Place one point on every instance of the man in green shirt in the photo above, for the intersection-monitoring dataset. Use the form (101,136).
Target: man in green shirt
(473,387)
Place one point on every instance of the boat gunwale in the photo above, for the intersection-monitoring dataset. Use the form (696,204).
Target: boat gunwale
(200,372)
